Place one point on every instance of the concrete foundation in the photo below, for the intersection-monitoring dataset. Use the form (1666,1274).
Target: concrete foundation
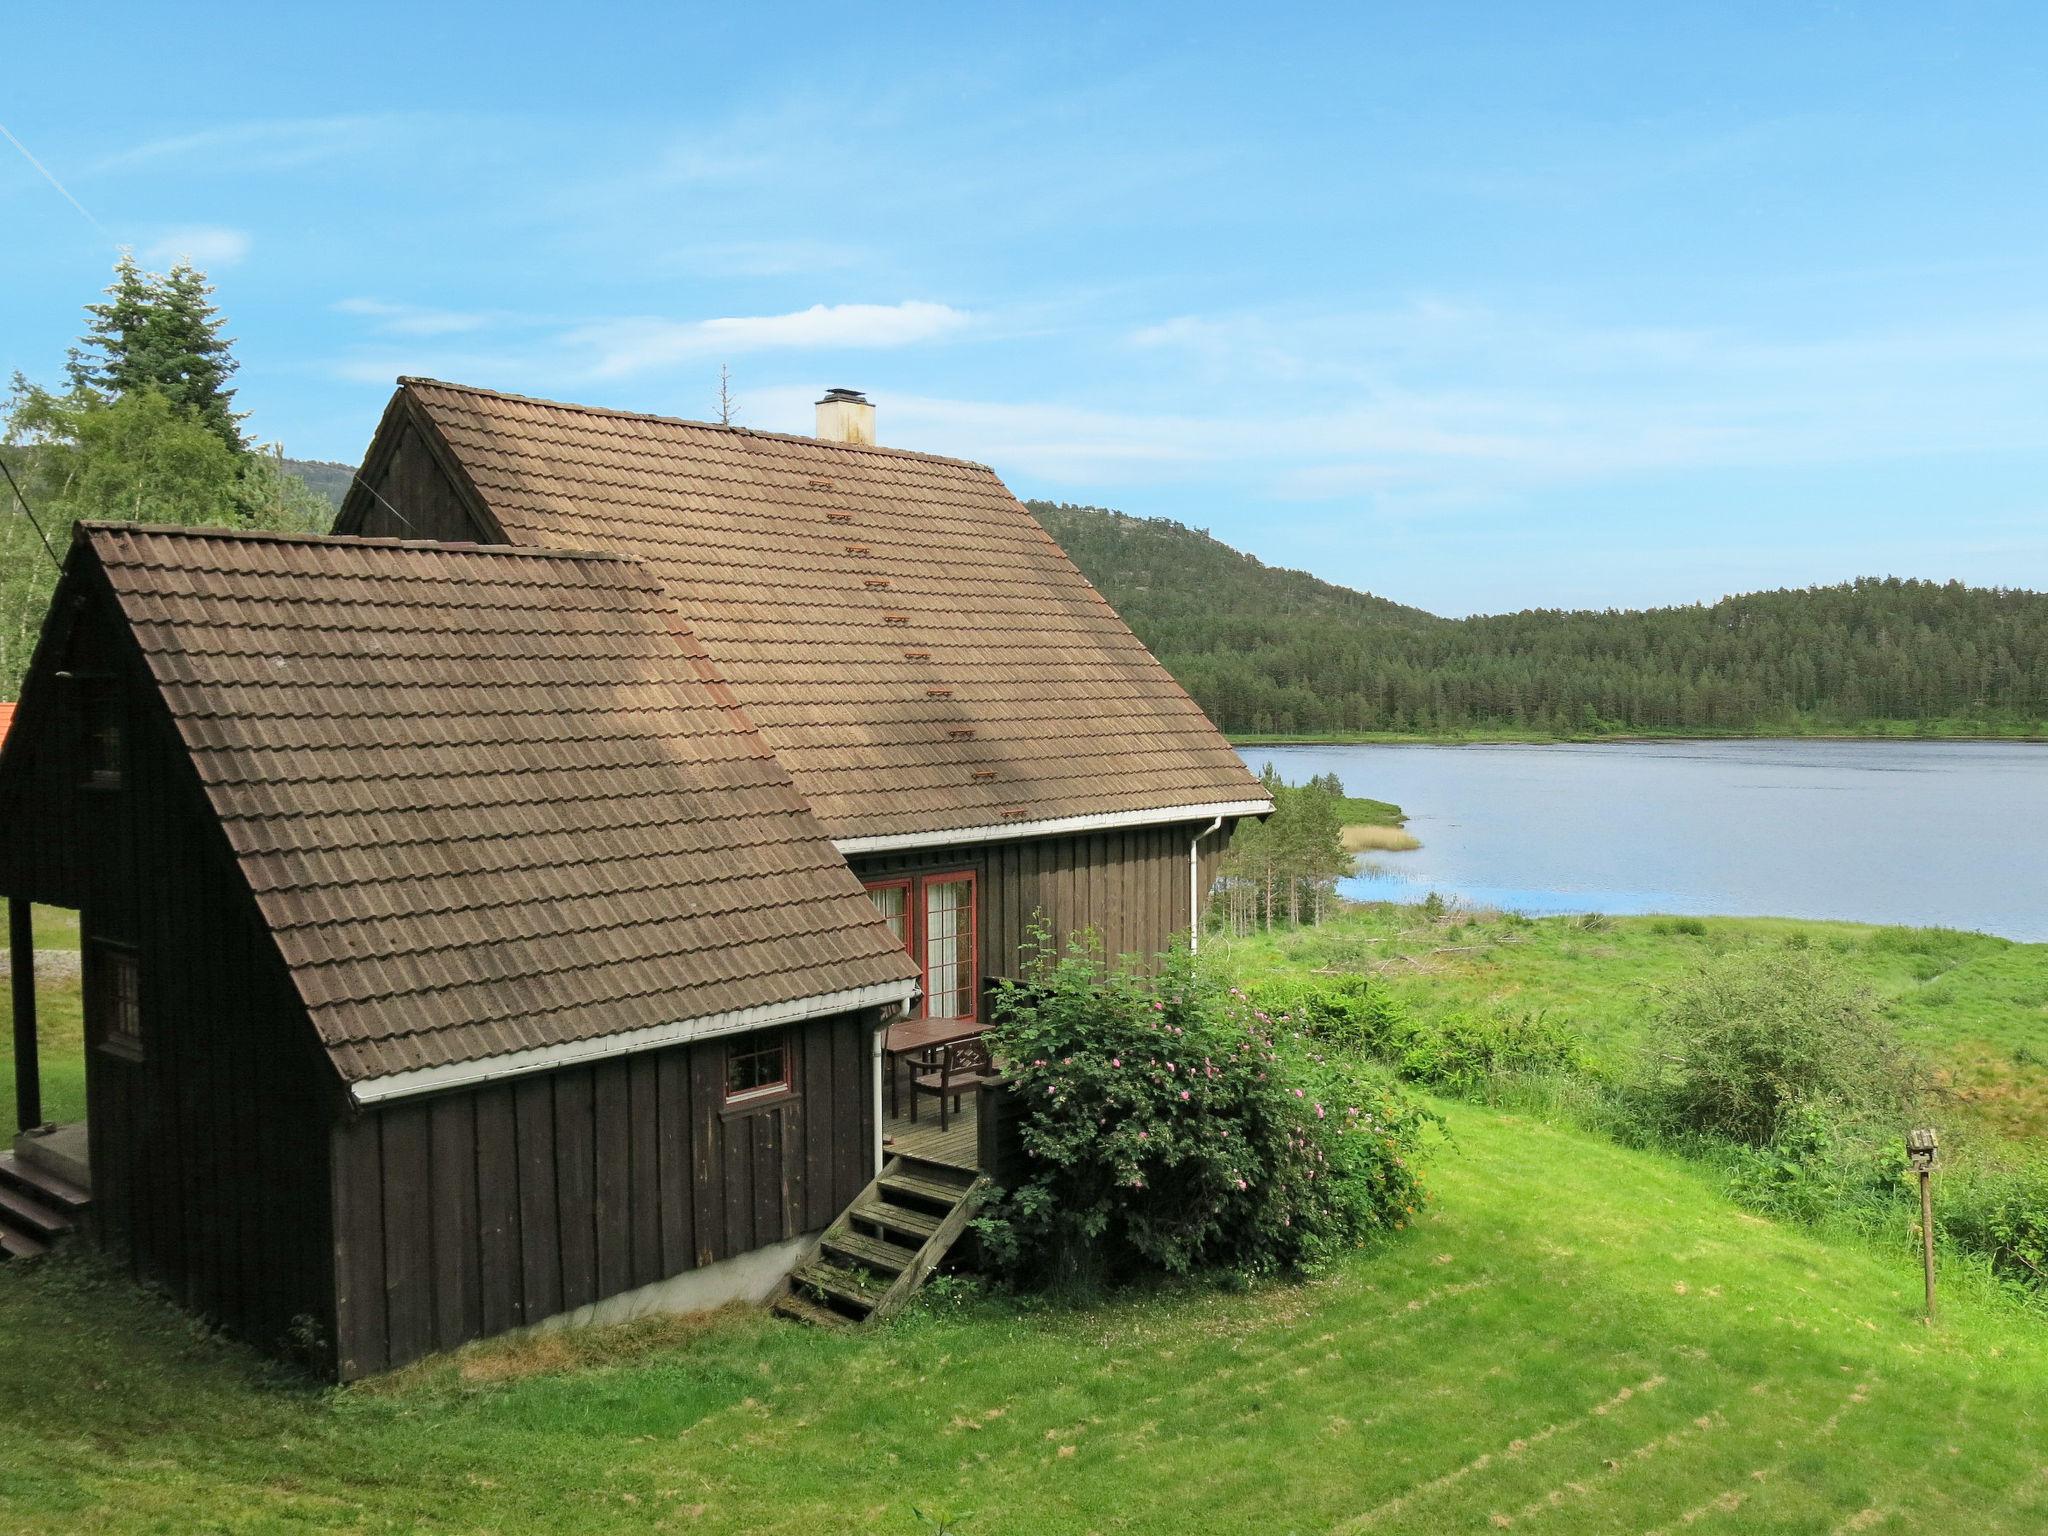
(749,1277)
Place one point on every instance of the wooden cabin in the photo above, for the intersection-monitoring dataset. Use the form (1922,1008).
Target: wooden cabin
(498,913)
(456,955)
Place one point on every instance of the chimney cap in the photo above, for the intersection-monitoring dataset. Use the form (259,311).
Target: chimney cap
(852,396)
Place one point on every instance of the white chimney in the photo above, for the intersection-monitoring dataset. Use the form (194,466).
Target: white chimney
(844,416)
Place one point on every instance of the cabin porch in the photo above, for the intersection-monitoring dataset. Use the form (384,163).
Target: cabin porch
(46,1175)
(955,1143)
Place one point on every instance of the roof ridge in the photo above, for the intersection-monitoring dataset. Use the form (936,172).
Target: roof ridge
(353,541)
(407,380)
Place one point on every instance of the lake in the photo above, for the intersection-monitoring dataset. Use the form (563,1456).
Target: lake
(1950,833)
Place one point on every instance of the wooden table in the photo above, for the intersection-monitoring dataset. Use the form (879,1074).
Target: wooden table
(915,1035)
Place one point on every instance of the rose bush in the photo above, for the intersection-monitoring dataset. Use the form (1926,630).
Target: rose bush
(1169,1125)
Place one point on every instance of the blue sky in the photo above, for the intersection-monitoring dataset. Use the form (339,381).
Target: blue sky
(1479,307)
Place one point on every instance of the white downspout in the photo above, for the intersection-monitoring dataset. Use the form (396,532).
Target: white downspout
(1195,884)
(876,1051)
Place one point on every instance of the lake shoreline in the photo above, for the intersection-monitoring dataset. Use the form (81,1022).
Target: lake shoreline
(1797,827)
(1639,738)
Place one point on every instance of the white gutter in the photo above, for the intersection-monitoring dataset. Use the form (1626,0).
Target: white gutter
(1195,884)
(546,1058)
(1052,827)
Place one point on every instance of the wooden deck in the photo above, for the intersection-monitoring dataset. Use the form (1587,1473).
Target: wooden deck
(956,1144)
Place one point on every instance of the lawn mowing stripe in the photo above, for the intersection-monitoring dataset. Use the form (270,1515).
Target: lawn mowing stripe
(1514,1448)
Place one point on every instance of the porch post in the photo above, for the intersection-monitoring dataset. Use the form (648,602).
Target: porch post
(21,958)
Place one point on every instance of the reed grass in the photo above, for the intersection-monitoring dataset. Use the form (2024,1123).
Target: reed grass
(1379,840)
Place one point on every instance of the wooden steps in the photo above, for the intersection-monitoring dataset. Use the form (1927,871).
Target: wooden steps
(875,1256)
(36,1208)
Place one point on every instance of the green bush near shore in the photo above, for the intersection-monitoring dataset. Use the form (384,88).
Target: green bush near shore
(1773,1051)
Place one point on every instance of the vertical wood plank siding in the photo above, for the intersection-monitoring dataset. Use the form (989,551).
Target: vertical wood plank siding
(1130,887)
(209,1152)
(478,1211)
(407,496)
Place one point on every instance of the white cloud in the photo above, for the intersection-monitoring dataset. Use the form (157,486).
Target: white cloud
(203,245)
(266,145)
(413,319)
(620,347)
(770,258)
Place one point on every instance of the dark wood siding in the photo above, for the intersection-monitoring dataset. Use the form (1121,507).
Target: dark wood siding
(209,1151)
(406,493)
(477,1211)
(1130,887)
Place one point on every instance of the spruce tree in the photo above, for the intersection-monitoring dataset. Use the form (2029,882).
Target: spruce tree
(161,332)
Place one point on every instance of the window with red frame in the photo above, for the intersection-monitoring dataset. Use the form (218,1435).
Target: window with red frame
(935,917)
(756,1066)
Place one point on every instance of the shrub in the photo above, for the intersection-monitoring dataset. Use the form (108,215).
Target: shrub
(1755,1032)
(2003,1216)
(1461,1051)
(1457,1052)
(1354,1013)
(1170,1126)
(1820,1165)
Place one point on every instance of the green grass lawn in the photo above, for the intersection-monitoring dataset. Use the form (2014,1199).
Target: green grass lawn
(1977,1006)
(1577,1338)
(60,1028)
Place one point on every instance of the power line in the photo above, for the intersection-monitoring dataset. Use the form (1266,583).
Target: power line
(31,511)
(357,479)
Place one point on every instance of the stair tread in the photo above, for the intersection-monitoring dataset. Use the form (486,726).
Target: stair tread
(899,1217)
(20,1245)
(932,1167)
(877,1253)
(39,1218)
(804,1310)
(922,1188)
(838,1280)
(48,1187)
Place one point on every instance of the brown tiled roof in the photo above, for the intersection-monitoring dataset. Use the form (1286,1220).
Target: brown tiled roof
(6,720)
(919,653)
(489,800)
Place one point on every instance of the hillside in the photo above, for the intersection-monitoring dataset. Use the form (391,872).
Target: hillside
(1269,651)
(1272,651)
(325,479)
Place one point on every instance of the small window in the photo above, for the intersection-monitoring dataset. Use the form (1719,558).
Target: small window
(102,744)
(756,1066)
(113,999)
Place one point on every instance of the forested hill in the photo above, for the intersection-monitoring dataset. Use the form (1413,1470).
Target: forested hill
(1270,650)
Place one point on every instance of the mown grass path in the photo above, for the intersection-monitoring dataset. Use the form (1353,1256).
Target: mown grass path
(1579,1338)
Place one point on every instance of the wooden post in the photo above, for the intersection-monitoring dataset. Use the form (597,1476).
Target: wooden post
(1927,1237)
(21,957)
(1921,1151)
